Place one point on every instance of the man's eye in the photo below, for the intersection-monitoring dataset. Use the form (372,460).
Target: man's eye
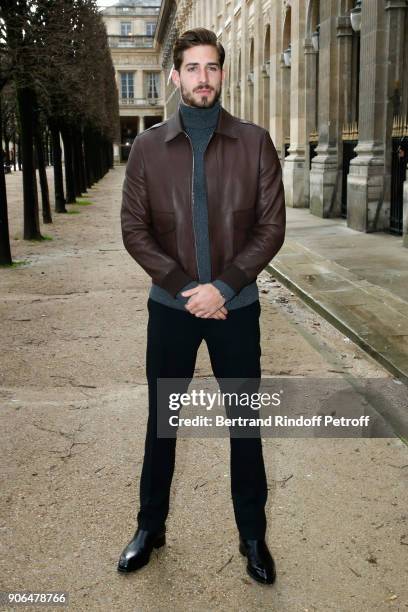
(191,68)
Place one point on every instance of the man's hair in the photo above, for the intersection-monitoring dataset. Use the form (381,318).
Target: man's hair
(194,38)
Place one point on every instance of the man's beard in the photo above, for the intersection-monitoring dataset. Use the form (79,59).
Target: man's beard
(204,103)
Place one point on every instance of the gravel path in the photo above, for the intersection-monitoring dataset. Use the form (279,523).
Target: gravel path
(73,397)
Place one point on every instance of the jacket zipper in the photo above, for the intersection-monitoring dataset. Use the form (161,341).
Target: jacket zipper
(208,208)
(192,205)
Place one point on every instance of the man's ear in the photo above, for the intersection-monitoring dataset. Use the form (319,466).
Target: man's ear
(175,77)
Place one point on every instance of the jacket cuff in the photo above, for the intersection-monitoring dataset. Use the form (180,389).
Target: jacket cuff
(234,277)
(174,281)
(180,297)
(226,291)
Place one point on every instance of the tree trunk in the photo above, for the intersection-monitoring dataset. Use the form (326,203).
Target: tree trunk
(14,152)
(5,253)
(7,151)
(25,100)
(58,175)
(19,153)
(111,154)
(39,145)
(45,140)
(69,165)
(81,160)
(99,147)
(76,162)
(88,158)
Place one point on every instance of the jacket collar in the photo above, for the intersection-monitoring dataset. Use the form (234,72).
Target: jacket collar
(226,125)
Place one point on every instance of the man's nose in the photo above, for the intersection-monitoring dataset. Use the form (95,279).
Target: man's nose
(203,75)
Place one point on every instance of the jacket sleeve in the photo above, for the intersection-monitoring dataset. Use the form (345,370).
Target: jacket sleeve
(268,232)
(137,232)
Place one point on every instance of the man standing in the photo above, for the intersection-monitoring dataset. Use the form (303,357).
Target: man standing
(203,213)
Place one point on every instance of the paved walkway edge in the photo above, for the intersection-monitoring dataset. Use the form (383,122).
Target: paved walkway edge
(337,322)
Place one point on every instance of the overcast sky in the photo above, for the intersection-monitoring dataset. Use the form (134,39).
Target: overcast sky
(103,3)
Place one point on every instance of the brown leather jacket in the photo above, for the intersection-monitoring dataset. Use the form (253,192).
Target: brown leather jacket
(245,199)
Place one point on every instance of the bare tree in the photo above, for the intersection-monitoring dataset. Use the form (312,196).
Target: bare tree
(57,53)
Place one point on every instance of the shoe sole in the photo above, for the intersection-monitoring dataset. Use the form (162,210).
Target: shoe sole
(161,541)
(256,578)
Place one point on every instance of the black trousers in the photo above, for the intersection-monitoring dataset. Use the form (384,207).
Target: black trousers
(173,339)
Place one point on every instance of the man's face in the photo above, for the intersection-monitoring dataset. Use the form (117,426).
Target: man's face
(200,77)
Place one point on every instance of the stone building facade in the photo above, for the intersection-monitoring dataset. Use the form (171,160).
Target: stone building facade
(131,26)
(329,80)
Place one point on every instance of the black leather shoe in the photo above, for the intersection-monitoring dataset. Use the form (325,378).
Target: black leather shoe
(261,566)
(137,552)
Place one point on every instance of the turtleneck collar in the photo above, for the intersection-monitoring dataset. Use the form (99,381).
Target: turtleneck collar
(194,117)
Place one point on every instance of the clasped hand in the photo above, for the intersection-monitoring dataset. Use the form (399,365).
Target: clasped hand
(206,302)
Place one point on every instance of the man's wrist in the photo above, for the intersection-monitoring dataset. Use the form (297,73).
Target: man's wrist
(225,290)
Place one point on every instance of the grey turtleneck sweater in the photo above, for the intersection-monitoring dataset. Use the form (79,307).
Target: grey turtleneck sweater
(199,124)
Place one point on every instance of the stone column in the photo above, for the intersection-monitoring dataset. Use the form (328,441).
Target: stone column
(310,109)
(265,113)
(323,174)
(396,100)
(244,58)
(275,80)
(199,14)
(347,93)
(285,104)
(366,208)
(139,85)
(250,64)
(141,124)
(230,51)
(234,62)
(116,153)
(293,172)
(258,55)
(213,14)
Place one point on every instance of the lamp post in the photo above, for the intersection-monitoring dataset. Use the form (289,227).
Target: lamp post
(355,16)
